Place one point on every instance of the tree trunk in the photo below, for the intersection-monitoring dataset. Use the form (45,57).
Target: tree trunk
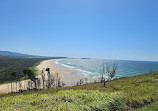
(16,86)
(104,82)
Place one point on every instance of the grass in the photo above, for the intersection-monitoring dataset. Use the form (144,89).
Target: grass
(151,107)
(68,100)
(132,92)
(137,88)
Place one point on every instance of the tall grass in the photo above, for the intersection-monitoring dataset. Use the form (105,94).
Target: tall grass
(68,100)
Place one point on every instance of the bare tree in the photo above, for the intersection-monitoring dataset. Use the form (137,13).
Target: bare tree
(49,78)
(13,76)
(58,81)
(52,80)
(86,79)
(31,85)
(28,85)
(43,79)
(103,73)
(102,78)
(8,88)
(24,84)
(20,85)
(108,69)
(38,83)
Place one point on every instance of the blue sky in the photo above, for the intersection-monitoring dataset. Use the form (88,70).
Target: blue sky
(112,29)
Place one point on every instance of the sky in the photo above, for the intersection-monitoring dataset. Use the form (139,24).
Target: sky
(109,29)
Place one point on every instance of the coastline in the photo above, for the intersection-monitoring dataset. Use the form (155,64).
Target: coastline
(68,76)
(72,77)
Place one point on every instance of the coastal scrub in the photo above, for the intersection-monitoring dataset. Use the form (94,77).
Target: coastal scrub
(68,100)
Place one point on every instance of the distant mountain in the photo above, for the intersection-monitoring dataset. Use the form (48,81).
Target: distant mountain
(16,54)
(85,58)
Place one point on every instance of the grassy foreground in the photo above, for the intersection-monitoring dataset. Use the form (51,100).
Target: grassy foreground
(123,94)
(68,100)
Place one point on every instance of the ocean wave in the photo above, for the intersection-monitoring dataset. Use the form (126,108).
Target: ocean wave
(70,67)
(57,61)
(92,68)
(86,73)
(67,65)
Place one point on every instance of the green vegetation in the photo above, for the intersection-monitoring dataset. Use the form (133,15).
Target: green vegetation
(15,64)
(68,100)
(126,93)
(34,69)
(151,107)
(138,90)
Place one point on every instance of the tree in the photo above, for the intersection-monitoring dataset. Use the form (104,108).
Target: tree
(31,75)
(49,78)
(86,79)
(13,76)
(43,79)
(10,64)
(111,70)
(103,73)
(38,83)
(58,81)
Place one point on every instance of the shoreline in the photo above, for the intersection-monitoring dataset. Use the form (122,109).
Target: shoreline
(67,76)
(72,77)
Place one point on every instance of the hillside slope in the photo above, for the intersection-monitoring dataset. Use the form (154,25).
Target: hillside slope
(127,93)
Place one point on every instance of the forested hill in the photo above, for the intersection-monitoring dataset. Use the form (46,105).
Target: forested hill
(16,54)
(15,64)
(9,64)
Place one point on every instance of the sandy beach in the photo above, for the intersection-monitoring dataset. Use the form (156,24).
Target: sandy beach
(47,64)
(70,77)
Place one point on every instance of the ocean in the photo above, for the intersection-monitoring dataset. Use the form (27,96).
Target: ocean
(93,67)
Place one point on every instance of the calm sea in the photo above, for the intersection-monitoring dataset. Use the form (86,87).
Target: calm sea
(92,67)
